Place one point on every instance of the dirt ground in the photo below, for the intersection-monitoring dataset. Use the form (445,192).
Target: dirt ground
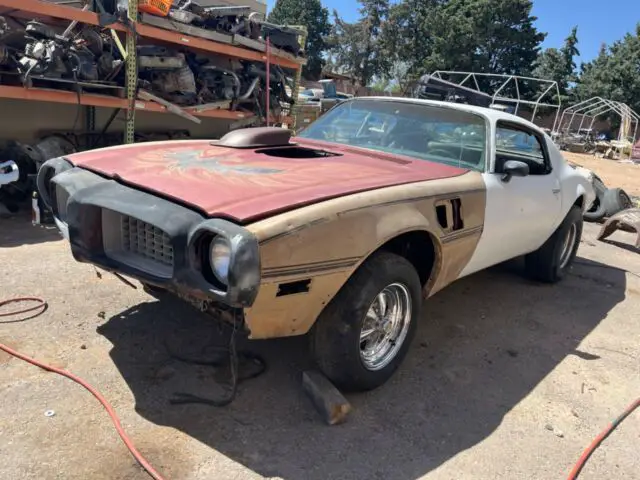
(506,379)
(614,173)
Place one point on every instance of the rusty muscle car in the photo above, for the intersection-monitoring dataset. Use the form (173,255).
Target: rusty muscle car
(338,232)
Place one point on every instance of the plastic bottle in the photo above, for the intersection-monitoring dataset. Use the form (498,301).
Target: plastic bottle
(35,209)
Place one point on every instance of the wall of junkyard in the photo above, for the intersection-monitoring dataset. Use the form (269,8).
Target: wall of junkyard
(27,121)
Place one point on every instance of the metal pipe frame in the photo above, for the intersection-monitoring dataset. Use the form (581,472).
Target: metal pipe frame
(597,106)
(506,79)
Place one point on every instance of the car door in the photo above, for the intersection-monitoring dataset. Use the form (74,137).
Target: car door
(521,212)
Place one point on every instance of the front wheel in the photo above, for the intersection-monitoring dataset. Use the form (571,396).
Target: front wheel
(363,335)
(553,259)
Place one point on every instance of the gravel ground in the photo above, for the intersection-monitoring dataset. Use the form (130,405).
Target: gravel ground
(614,173)
(506,379)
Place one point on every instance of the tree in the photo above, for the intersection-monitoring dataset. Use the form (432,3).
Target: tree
(483,36)
(488,36)
(615,73)
(570,51)
(315,17)
(358,48)
(407,38)
(559,65)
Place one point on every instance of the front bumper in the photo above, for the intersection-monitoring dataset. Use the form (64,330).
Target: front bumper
(146,237)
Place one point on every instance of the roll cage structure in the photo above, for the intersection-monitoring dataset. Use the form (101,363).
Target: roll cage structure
(595,107)
(543,91)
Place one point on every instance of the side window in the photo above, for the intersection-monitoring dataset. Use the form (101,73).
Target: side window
(514,143)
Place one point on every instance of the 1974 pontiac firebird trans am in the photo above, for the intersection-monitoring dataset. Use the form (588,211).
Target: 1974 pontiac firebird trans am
(338,232)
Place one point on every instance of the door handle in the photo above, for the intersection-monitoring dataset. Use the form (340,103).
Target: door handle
(555,190)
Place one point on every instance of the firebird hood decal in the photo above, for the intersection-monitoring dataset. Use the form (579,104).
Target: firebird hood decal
(244,184)
(212,160)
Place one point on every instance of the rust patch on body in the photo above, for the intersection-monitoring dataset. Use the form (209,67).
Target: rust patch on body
(327,242)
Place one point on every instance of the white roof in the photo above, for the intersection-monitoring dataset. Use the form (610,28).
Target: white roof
(491,114)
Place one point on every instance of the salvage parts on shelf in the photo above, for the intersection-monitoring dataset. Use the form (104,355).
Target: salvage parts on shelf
(187,79)
(237,20)
(180,77)
(87,56)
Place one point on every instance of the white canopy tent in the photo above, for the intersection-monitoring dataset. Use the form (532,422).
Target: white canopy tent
(595,107)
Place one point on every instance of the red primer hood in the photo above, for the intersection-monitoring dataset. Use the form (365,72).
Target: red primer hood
(245,184)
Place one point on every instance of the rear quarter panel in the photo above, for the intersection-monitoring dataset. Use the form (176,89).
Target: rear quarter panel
(327,242)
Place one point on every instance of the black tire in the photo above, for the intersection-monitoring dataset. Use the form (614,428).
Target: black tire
(335,337)
(615,200)
(597,211)
(545,263)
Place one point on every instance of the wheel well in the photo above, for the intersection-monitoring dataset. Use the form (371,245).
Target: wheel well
(418,248)
(579,201)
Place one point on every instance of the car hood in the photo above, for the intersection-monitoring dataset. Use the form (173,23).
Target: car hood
(247,184)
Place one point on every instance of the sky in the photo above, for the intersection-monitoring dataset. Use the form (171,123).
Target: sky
(598,21)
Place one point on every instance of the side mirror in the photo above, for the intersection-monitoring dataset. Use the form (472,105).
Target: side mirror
(514,168)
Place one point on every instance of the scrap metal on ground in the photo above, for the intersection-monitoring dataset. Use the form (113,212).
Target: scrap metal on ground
(628,220)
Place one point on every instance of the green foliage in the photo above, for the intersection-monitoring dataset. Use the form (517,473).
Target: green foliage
(559,65)
(420,36)
(485,36)
(614,73)
(358,48)
(395,42)
(315,17)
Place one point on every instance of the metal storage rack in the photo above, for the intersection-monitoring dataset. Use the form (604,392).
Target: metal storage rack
(51,13)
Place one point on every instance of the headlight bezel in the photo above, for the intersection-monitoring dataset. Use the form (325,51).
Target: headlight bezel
(244,276)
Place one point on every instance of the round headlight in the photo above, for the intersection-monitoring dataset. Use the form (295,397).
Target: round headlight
(220,258)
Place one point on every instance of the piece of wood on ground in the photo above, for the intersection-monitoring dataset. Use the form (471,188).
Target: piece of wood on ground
(326,398)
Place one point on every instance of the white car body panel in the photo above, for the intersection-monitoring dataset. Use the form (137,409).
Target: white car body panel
(519,217)
(521,214)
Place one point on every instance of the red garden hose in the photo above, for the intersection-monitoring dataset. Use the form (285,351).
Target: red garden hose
(600,438)
(40,304)
(114,418)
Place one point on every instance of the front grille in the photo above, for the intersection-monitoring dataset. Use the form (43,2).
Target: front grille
(143,239)
(137,244)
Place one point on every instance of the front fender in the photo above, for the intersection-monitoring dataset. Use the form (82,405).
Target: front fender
(317,248)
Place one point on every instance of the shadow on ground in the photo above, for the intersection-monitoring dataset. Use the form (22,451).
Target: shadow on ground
(486,342)
(17,230)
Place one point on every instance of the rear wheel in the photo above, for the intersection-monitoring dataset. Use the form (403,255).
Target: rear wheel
(363,335)
(553,259)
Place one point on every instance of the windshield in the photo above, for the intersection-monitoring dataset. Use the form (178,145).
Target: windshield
(424,132)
